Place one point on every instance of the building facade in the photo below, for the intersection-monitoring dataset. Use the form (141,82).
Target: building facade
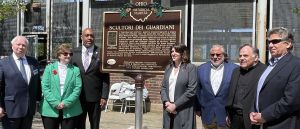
(48,23)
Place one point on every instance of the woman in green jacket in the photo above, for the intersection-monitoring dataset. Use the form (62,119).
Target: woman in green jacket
(61,86)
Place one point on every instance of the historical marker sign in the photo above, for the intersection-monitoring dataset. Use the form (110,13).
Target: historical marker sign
(140,40)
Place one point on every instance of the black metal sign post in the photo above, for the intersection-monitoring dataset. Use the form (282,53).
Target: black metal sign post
(139,79)
(139,86)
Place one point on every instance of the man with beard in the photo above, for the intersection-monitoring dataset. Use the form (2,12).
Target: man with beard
(213,87)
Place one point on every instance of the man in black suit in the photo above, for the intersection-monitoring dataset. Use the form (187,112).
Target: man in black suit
(20,87)
(277,103)
(95,86)
(242,87)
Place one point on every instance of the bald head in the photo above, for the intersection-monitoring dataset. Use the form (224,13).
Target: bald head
(87,37)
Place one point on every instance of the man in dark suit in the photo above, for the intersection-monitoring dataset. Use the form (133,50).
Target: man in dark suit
(95,84)
(277,104)
(20,87)
(242,87)
(213,87)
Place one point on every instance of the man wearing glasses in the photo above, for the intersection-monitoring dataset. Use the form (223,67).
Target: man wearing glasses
(277,103)
(213,87)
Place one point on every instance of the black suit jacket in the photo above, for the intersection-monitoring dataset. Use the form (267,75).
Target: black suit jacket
(17,97)
(279,98)
(95,83)
(248,98)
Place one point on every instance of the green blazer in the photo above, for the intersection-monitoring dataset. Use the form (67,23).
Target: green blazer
(51,92)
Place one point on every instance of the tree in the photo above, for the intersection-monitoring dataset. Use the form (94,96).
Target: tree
(9,8)
(296,10)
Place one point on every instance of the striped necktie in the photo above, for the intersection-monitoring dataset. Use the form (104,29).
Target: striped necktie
(22,70)
(86,60)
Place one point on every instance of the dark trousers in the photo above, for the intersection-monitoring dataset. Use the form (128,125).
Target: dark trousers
(93,109)
(237,122)
(53,123)
(17,123)
(172,117)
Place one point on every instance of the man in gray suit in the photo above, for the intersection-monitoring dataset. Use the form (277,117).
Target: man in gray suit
(277,103)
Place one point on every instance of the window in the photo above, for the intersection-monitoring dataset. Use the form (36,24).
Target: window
(228,23)
(286,14)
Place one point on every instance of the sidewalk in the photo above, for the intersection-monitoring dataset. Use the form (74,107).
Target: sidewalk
(117,120)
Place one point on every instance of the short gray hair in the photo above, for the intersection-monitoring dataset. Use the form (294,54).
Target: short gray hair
(15,39)
(284,34)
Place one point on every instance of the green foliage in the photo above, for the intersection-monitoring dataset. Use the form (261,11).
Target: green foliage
(9,8)
(296,11)
(158,8)
(124,11)
(126,8)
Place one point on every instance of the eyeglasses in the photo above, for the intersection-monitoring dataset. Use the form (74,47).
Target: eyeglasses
(275,41)
(215,55)
(66,54)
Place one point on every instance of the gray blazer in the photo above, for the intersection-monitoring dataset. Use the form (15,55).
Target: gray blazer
(185,90)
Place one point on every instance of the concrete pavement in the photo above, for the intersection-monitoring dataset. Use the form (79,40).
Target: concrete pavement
(117,120)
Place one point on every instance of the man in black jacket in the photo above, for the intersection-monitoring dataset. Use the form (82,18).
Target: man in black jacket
(242,87)
(95,87)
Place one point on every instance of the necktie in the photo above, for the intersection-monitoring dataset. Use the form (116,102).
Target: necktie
(86,62)
(22,69)
(273,61)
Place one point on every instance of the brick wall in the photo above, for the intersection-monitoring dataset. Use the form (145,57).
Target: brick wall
(152,84)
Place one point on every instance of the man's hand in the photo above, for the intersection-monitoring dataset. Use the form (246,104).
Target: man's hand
(252,115)
(228,121)
(103,103)
(171,107)
(256,118)
(2,112)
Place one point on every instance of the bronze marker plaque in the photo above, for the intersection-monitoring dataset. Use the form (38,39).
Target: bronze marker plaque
(139,42)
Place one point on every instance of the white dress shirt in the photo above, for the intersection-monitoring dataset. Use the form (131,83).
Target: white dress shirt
(216,76)
(172,83)
(62,72)
(26,66)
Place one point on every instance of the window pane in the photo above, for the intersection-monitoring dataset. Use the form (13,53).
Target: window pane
(35,17)
(8,30)
(228,23)
(64,23)
(286,13)
(180,5)
(98,7)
